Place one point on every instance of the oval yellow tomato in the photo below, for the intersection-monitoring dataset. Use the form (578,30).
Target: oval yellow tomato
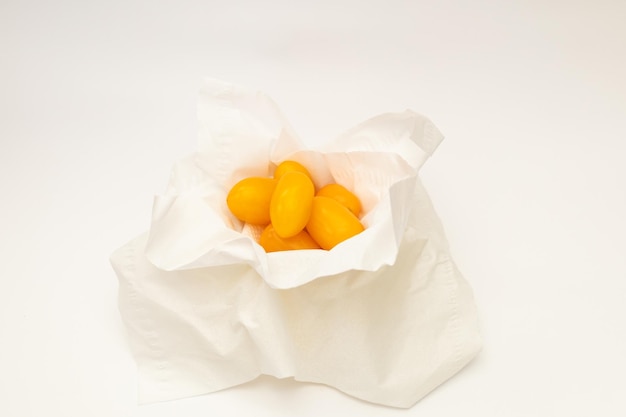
(271,242)
(342,195)
(290,207)
(288,166)
(249,200)
(331,223)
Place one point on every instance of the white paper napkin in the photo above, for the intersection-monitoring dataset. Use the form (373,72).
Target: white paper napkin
(384,316)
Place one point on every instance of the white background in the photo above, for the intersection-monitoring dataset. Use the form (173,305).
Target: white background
(97,101)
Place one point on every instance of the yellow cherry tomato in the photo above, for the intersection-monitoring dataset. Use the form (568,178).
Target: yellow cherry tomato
(288,166)
(331,223)
(290,207)
(342,195)
(271,242)
(249,200)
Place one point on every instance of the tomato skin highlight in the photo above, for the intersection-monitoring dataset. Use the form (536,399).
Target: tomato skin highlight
(291,203)
(289,166)
(343,196)
(249,200)
(271,242)
(331,223)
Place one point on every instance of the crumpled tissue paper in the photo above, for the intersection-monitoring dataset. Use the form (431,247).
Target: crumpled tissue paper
(384,316)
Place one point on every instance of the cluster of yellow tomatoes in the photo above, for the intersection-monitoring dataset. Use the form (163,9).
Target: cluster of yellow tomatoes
(294,214)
